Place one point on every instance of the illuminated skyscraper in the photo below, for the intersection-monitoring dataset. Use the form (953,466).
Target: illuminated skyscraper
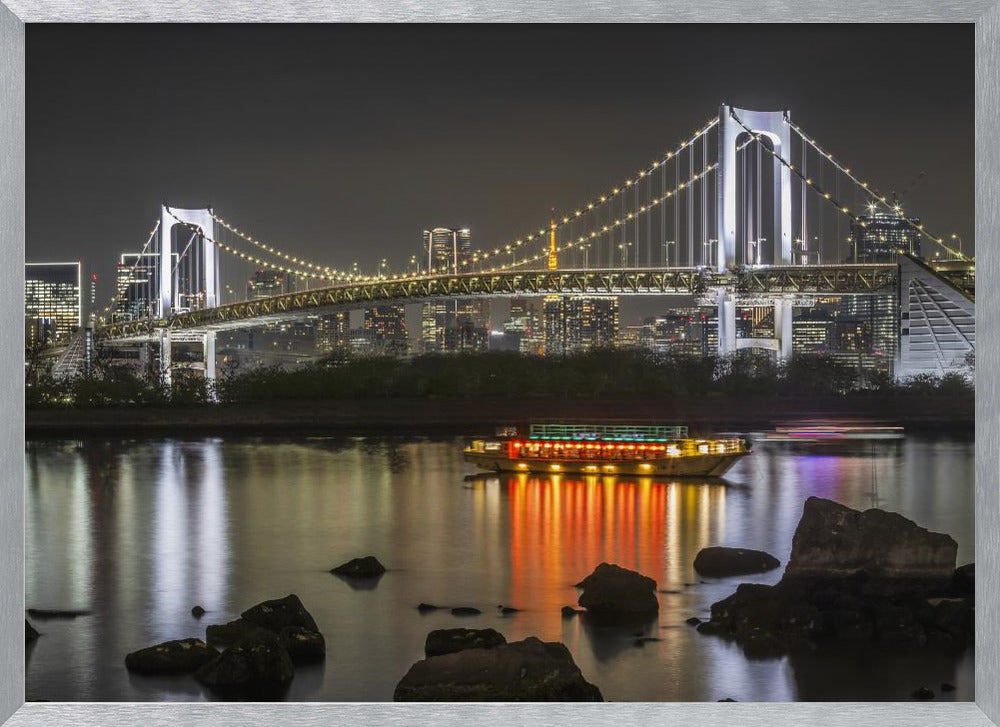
(575,324)
(137,286)
(451,325)
(53,302)
(385,327)
(880,236)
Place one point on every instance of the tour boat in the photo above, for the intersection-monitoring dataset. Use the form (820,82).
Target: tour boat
(607,449)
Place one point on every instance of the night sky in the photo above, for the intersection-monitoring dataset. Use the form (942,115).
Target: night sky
(343,143)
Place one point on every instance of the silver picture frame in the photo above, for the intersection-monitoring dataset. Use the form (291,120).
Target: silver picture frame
(985,14)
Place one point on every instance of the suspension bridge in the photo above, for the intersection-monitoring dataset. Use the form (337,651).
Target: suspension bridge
(749,210)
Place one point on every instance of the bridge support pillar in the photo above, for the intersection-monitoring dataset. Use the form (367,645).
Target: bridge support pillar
(208,344)
(165,356)
(783,313)
(726,304)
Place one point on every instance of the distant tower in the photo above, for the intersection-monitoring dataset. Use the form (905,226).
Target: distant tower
(553,255)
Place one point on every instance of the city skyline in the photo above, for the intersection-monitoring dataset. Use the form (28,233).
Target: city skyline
(488,161)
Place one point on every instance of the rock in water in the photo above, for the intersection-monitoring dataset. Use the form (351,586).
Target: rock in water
(614,594)
(570,612)
(303,646)
(275,615)
(426,607)
(367,567)
(197,612)
(832,540)
(279,614)
(719,561)
(522,671)
(879,577)
(465,611)
(963,581)
(923,693)
(448,641)
(29,631)
(226,633)
(257,666)
(171,657)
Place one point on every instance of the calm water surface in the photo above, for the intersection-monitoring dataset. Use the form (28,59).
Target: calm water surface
(141,531)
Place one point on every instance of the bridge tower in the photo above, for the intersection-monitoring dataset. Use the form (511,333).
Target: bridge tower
(206,262)
(207,257)
(774,125)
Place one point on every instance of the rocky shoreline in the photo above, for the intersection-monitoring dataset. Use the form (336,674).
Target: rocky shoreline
(861,577)
(871,579)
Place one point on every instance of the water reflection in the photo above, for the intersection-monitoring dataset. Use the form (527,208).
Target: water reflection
(141,531)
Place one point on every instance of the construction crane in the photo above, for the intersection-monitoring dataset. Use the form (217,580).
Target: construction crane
(898,198)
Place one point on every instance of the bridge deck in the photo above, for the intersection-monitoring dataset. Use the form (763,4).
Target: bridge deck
(698,282)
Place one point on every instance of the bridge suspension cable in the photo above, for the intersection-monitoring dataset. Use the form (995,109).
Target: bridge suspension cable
(595,204)
(119,292)
(843,209)
(332,273)
(872,193)
(615,224)
(301,272)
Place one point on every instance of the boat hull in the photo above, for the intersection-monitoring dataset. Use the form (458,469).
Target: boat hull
(701,465)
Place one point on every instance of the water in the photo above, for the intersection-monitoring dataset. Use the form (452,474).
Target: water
(141,531)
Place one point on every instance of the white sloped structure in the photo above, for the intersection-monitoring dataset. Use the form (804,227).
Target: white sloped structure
(937,323)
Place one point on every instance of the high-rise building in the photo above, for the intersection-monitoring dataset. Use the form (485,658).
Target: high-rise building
(266,283)
(525,326)
(137,286)
(859,330)
(385,328)
(53,302)
(333,332)
(455,324)
(574,324)
(446,249)
(879,237)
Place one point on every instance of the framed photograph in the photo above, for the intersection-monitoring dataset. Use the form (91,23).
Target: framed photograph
(614,363)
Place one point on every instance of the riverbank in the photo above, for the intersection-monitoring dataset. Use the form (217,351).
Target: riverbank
(482,414)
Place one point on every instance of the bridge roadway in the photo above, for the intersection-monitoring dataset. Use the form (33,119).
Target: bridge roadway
(746,283)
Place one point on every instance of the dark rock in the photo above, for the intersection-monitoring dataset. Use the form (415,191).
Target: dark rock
(923,693)
(197,612)
(425,607)
(47,613)
(719,561)
(29,631)
(693,621)
(946,687)
(963,580)
(505,610)
(880,592)
(614,594)
(275,616)
(727,699)
(713,628)
(280,613)
(303,646)
(171,657)
(226,633)
(465,611)
(570,612)
(832,540)
(448,641)
(366,567)
(523,671)
(256,665)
